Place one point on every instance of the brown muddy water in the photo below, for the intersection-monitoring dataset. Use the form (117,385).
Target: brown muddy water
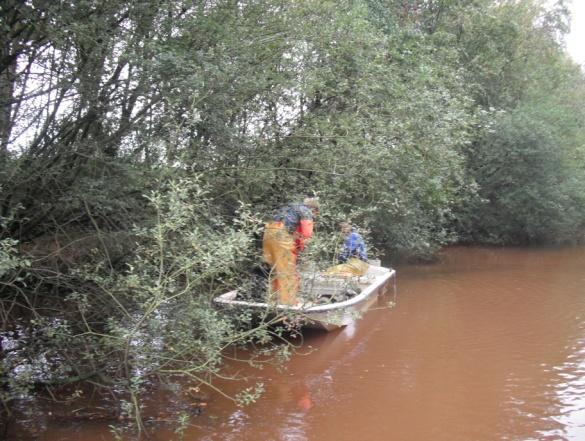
(487,344)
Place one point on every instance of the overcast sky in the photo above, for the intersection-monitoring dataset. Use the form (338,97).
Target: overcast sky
(576,39)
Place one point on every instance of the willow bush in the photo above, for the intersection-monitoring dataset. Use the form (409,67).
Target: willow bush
(151,320)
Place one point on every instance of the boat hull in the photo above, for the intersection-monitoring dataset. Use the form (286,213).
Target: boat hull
(328,316)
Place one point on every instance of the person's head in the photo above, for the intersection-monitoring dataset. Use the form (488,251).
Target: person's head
(345,227)
(313,204)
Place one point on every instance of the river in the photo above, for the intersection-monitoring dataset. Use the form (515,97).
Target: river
(486,344)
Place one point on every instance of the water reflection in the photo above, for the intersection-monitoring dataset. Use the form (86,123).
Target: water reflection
(488,344)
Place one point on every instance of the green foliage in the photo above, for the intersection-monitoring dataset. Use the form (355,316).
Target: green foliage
(161,321)
(528,179)
(526,153)
(9,259)
(250,394)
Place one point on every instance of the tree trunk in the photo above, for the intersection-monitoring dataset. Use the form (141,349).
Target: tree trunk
(6,96)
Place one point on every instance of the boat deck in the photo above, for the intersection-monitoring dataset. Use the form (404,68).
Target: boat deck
(315,312)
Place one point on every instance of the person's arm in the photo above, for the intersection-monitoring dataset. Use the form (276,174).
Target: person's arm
(344,255)
(304,230)
(361,250)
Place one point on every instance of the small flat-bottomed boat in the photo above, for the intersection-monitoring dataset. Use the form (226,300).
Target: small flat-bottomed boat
(320,307)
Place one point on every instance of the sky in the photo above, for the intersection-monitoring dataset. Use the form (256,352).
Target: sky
(576,38)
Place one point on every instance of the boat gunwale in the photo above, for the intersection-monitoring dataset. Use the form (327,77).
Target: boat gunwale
(371,287)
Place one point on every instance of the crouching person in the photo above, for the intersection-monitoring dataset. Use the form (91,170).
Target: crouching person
(353,257)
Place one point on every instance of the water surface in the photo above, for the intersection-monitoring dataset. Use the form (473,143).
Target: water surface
(487,344)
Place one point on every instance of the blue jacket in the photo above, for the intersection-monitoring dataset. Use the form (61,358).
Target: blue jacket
(353,246)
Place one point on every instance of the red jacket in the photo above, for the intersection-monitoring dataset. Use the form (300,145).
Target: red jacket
(303,232)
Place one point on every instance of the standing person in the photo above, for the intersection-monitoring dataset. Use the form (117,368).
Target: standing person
(284,238)
(353,258)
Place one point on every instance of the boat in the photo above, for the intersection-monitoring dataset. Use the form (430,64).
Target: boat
(319,308)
